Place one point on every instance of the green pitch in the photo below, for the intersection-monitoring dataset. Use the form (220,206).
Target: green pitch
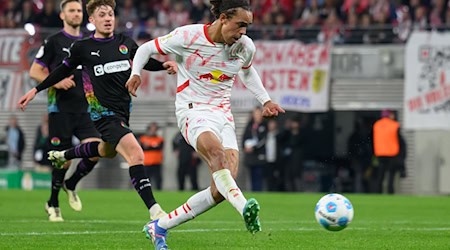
(114,220)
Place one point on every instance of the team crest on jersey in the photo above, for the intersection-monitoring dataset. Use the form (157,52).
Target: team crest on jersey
(123,49)
(55,141)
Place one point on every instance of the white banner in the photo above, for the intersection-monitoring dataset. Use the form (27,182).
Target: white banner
(296,75)
(427,81)
(10,89)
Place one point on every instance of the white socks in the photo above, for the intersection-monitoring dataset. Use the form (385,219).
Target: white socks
(156,211)
(228,188)
(195,205)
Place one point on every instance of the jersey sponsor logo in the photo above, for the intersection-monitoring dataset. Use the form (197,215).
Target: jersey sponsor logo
(123,49)
(215,76)
(112,67)
(95,53)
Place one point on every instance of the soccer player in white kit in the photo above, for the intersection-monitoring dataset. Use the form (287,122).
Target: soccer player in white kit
(209,57)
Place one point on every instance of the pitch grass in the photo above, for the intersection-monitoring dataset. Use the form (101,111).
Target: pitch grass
(114,219)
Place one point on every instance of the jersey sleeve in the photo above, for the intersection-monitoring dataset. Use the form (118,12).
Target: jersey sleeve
(248,53)
(74,58)
(171,43)
(45,56)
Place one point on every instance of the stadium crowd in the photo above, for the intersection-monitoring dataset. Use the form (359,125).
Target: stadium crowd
(340,21)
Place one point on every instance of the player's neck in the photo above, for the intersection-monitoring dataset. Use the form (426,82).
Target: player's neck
(214,32)
(73,31)
(102,35)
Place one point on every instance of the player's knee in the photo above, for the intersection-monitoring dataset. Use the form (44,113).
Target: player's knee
(136,157)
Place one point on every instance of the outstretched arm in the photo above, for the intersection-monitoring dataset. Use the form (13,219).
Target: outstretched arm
(141,59)
(253,82)
(61,72)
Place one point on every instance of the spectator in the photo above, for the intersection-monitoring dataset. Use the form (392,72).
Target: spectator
(127,16)
(163,18)
(420,18)
(274,170)
(145,10)
(437,14)
(293,154)
(360,155)
(386,145)
(254,140)
(49,17)
(15,139)
(7,15)
(153,145)
(179,16)
(330,31)
(299,7)
(41,147)
(404,23)
(25,14)
(198,11)
(188,161)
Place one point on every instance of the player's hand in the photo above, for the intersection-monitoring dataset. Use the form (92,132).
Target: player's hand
(272,109)
(66,83)
(133,84)
(171,67)
(24,100)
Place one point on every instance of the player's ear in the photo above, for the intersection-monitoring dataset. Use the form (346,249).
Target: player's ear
(91,19)
(223,18)
(61,15)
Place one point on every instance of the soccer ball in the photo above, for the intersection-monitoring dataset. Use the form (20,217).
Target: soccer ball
(334,212)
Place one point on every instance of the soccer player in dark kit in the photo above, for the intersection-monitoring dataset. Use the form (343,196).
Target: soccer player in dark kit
(105,58)
(67,107)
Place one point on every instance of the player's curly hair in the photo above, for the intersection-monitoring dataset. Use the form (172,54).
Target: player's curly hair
(228,7)
(64,2)
(92,5)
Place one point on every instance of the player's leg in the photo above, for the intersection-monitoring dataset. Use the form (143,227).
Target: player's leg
(85,131)
(89,149)
(201,201)
(218,160)
(60,138)
(132,152)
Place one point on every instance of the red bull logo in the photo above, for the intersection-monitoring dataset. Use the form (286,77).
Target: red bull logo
(215,76)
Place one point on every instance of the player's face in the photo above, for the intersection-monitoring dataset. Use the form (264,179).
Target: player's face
(103,18)
(233,28)
(72,14)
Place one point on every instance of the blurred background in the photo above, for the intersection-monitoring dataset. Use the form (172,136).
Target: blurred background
(337,66)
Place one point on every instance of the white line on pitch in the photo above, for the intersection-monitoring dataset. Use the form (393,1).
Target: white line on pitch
(206,230)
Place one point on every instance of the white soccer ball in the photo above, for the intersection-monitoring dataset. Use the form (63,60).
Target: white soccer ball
(334,212)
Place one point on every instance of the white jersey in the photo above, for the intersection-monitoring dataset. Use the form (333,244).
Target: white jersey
(206,70)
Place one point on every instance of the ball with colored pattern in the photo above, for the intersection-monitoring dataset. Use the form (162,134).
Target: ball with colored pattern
(334,212)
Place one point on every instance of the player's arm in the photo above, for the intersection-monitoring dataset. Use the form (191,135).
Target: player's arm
(253,82)
(61,72)
(172,44)
(39,69)
(38,72)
